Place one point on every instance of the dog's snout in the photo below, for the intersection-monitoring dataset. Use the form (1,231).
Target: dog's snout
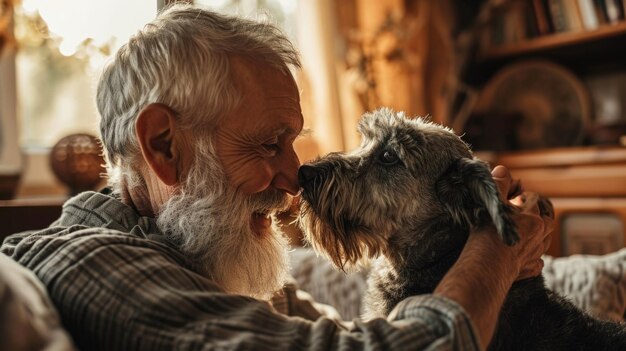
(306,174)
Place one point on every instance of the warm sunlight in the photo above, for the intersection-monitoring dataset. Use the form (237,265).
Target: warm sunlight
(101,21)
(65,43)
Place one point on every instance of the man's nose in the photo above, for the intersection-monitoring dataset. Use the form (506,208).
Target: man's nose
(286,179)
(287,183)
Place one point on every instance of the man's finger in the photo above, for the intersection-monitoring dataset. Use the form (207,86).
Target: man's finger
(546,243)
(502,178)
(500,172)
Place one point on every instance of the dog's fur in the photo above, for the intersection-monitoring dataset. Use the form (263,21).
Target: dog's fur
(406,199)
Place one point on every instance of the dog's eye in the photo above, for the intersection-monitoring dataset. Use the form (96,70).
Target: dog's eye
(388,158)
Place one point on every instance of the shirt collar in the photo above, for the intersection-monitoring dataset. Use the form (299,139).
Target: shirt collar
(95,209)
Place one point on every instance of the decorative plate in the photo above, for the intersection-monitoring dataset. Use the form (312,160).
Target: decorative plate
(553,104)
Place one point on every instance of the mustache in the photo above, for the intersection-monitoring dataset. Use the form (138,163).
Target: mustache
(270,200)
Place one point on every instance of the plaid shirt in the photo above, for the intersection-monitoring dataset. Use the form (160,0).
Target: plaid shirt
(120,285)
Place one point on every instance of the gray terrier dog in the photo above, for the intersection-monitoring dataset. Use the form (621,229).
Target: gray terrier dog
(406,199)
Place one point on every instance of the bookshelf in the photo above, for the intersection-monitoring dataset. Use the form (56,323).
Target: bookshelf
(585,181)
(554,41)
(594,58)
(512,33)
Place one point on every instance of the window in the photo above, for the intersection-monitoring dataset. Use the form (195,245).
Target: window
(282,12)
(60,57)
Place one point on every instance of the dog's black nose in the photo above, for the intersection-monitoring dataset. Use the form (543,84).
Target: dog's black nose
(306,174)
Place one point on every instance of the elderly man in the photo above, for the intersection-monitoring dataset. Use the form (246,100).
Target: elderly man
(199,114)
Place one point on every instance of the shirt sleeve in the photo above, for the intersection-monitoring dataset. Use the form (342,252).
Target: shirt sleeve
(118,292)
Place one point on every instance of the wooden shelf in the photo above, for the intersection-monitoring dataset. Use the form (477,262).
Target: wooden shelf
(34,201)
(570,172)
(570,156)
(553,41)
(28,214)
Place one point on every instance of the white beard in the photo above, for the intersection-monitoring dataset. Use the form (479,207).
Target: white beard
(210,221)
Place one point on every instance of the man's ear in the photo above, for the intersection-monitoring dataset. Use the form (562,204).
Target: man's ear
(155,128)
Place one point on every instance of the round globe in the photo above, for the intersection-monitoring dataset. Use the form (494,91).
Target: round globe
(77,162)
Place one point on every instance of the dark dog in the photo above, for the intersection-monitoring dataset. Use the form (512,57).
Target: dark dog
(408,196)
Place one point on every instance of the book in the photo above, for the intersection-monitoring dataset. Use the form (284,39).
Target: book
(572,15)
(600,7)
(613,10)
(557,12)
(515,23)
(621,11)
(588,14)
(532,27)
(541,16)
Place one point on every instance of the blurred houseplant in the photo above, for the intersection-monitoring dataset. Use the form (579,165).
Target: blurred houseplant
(6,15)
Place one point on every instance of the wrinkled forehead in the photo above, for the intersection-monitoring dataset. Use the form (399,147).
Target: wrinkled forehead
(261,79)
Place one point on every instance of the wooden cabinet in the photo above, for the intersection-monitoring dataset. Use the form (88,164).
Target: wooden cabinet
(587,186)
(28,214)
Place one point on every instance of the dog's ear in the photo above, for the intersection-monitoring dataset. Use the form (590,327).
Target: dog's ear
(467,190)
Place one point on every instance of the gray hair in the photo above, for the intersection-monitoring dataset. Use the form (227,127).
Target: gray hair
(180,59)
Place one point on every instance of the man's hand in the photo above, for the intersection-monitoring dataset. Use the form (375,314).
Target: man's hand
(534,220)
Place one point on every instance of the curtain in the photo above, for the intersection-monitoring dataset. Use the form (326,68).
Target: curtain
(359,55)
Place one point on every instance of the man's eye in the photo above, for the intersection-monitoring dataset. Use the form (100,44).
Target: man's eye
(388,158)
(272,148)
